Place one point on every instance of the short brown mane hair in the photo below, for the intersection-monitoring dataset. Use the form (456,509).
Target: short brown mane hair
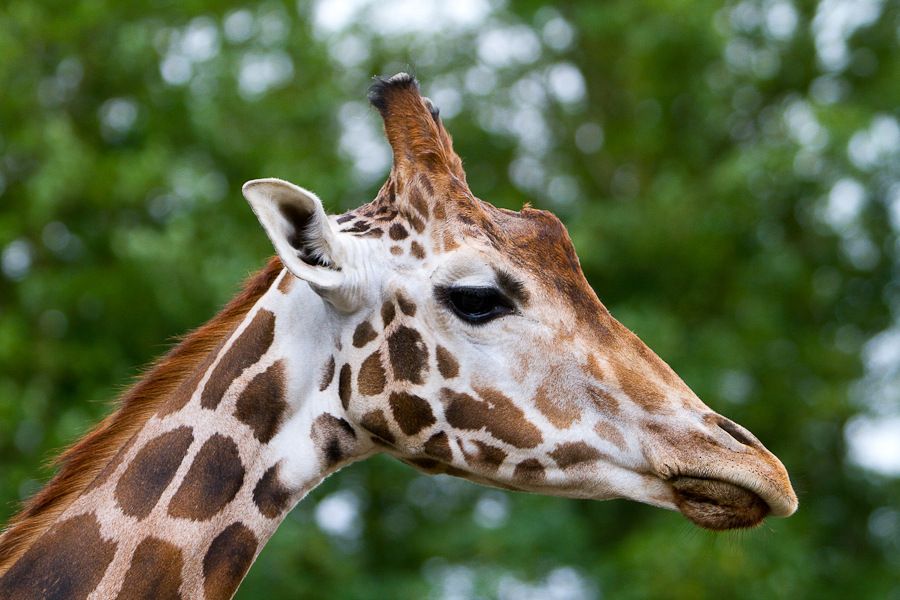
(80,464)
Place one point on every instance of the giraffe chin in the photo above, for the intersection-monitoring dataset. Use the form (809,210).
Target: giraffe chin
(718,505)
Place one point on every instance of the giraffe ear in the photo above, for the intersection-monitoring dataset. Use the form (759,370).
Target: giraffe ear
(295,221)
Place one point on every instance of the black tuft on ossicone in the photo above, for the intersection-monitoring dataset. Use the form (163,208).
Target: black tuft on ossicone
(432,108)
(382,86)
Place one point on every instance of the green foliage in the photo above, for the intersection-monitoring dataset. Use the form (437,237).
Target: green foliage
(693,149)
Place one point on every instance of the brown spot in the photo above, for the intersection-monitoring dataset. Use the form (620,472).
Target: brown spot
(155,571)
(396,250)
(327,374)
(371,378)
(151,471)
(408,353)
(270,495)
(227,560)
(358,227)
(610,433)
(560,416)
(417,250)
(426,183)
(594,368)
(286,283)
(450,242)
(638,388)
(344,385)
(417,224)
(66,562)
(388,312)
(373,233)
(364,334)
(412,413)
(447,365)
(334,437)
(344,218)
(573,453)
(182,395)
(605,402)
(438,446)
(494,412)
(407,306)
(659,366)
(111,467)
(489,457)
(429,465)
(440,212)
(376,423)
(262,404)
(529,471)
(246,351)
(398,232)
(417,202)
(211,483)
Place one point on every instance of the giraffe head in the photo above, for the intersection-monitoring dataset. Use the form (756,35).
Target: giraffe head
(468,342)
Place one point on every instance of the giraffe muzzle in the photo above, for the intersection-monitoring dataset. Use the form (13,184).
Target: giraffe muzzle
(718,505)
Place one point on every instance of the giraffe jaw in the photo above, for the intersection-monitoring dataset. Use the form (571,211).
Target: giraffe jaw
(718,505)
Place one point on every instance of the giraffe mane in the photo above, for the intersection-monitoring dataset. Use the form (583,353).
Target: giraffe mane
(80,464)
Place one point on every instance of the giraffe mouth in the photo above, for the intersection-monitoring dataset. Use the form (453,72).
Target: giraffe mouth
(718,505)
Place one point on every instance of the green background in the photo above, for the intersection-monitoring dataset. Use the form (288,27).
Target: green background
(728,172)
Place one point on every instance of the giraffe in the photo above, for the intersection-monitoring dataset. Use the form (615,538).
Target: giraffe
(427,324)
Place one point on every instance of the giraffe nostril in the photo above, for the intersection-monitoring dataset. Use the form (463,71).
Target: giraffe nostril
(736,431)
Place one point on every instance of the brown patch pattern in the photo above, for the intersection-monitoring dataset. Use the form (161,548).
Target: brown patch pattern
(151,471)
(246,351)
(227,560)
(363,334)
(344,385)
(185,391)
(398,232)
(640,389)
(417,250)
(327,374)
(573,453)
(388,312)
(447,365)
(80,464)
(488,457)
(556,414)
(407,306)
(605,402)
(334,437)
(376,423)
(611,433)
(68,562)
(270,495)
(412,413)
(438,446)
(530,471)
(262,405)
(155,572)
(494,412)
(286,283)
(211,483)
(408,353)
(372,378)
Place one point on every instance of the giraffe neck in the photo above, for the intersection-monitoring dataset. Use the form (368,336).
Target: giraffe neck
(188,502)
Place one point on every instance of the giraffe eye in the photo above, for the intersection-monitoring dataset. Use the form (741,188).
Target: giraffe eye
(476,305)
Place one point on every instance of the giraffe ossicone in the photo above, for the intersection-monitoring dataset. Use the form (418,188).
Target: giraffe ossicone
(427,324)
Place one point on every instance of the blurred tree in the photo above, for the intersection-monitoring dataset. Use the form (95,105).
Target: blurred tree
(729,175)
